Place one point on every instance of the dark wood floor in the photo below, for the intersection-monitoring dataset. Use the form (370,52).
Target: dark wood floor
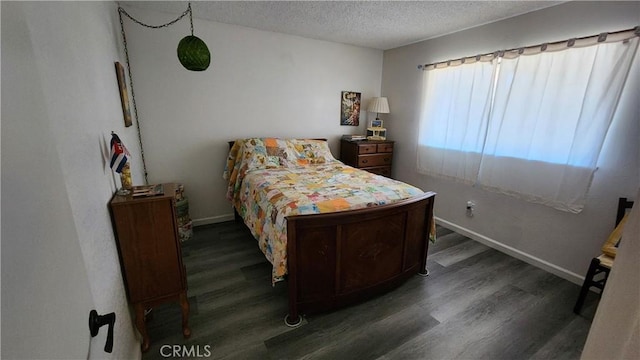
(477,303)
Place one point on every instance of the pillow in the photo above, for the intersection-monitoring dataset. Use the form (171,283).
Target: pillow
(259,153)
(268,153)
(311,151)
(279,152)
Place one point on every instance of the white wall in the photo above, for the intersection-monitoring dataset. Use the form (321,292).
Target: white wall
(57,161)
(561,242)
(259,84)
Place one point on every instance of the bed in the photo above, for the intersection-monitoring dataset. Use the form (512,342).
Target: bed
(339,235)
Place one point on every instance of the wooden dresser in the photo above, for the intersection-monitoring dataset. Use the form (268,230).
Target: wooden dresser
(150,254)
(374,156)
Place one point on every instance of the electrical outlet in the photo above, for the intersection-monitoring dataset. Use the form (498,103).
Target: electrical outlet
(470,207)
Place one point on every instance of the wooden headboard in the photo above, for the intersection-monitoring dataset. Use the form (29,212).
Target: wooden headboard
(233,142)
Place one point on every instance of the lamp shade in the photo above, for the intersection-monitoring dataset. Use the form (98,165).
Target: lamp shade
(193,53)
(378,105)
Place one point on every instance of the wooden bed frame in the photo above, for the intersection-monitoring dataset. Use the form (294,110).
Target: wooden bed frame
(336,259)
(341,258)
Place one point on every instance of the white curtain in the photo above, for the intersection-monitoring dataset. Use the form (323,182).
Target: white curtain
(454,120)
(529,125)
(549,119)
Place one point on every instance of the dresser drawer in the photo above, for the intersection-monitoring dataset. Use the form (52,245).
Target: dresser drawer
(374,160)
(385,148)
(367,149)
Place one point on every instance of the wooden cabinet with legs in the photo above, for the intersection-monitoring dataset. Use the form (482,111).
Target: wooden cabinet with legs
(150,254)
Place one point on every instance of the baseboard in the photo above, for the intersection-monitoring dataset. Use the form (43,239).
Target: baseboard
(530,259)
(212,220)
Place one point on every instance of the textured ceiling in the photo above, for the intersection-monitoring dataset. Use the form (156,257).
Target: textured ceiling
(376,24)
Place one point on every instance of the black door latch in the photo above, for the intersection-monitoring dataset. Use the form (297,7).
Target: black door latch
(96,321)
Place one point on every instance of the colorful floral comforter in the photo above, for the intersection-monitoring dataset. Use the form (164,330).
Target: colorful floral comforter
(270,179)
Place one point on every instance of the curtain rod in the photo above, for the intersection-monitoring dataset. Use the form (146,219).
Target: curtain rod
(556,45)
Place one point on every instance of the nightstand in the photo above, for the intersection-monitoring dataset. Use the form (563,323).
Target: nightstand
(371,155)
(150,253)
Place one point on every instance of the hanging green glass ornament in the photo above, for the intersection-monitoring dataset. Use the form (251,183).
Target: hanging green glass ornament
(192,51)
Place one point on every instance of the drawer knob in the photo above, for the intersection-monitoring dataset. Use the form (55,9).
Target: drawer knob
(365,161)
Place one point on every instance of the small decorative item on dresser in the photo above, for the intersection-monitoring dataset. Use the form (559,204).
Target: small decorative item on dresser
(148,190)
(354,137)
(119,162)
(376,133)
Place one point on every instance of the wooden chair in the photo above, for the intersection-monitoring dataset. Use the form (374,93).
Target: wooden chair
(603,263)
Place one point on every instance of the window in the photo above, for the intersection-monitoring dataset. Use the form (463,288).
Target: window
(531,126)
(457,109)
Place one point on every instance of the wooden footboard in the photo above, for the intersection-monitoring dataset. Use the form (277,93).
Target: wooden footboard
(336,259)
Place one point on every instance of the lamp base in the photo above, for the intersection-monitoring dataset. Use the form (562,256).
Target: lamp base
(376,133)
(376,138)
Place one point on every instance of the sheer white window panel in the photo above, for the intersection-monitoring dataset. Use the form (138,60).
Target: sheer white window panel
(550,117)
(453,120)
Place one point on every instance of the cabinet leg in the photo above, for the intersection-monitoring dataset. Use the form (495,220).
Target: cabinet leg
(142,326)
(184,304)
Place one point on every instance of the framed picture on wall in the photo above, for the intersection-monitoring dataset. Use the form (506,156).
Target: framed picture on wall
(124,96)
(350,108)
